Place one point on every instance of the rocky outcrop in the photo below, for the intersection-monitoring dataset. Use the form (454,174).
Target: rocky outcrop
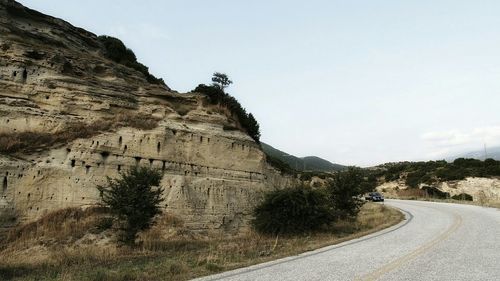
(482,190)
(53,74)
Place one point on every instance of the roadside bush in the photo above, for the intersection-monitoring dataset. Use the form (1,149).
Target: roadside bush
(134,199)
(462,196)
(292,211)
(346,189)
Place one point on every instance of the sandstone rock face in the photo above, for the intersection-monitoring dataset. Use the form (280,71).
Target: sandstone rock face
(481,189)
(53,74)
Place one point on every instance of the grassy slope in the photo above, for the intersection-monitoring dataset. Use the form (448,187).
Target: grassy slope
(80,248)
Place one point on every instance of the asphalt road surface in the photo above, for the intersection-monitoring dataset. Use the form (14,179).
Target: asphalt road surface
(437,241)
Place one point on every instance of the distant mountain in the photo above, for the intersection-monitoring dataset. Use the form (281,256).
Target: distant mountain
(309,163)
(491,152)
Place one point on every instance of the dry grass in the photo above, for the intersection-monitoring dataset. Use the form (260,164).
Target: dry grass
(26,142)
(168,251)
(67,223)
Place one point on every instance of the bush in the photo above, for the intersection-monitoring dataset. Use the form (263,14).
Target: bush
(346,189)
(292,211)
(116,51)
(134,199)
(413,179)
(462,196)
(435,193)
(216,95)
(452,172)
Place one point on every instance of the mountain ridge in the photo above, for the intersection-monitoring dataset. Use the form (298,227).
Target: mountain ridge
(491,152)
(307,163)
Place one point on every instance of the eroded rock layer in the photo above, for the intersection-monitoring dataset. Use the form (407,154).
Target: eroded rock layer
(54,75)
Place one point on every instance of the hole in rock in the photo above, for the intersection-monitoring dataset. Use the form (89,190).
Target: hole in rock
(105,154)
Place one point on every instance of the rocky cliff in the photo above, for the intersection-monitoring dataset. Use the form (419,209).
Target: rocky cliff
(69,117)
(482,190)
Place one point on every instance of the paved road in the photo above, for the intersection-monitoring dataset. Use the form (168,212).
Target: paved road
(437,241)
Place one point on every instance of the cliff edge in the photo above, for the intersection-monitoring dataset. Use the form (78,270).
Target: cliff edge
(70,116)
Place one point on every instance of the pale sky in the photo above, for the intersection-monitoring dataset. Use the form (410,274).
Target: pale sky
(354,82)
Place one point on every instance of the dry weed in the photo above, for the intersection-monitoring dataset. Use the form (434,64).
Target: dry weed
(168,251)
(27,142)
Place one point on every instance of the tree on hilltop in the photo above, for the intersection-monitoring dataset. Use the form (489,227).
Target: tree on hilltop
(221,80)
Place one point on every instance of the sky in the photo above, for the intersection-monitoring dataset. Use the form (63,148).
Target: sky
(358,82)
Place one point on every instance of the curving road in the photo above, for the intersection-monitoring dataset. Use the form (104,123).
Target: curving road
(437,241)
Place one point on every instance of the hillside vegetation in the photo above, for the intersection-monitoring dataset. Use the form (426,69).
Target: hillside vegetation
(217,96)
(115,50)
(432,172)
(309,163)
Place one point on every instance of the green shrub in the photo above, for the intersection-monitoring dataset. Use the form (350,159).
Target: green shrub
(463,197)
(435,193)
(452,172)
(413,179)
(216,95)
(292,211)
(346,189)
(134,199)
(116,51)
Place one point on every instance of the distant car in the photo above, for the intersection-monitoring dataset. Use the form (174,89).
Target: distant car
(374,197)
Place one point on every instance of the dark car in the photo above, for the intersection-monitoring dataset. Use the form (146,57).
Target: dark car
(375,197)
